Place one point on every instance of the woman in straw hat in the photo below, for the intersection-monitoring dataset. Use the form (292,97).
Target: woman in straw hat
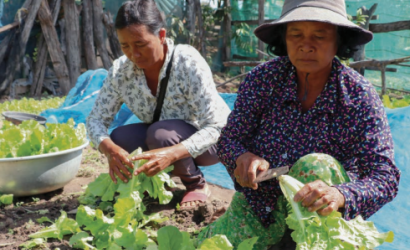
(306,101)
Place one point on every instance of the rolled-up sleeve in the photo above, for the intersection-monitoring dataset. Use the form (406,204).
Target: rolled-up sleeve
(372,159)
(207,107)
(106,106)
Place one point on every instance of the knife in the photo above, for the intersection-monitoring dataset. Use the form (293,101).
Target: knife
(270,174)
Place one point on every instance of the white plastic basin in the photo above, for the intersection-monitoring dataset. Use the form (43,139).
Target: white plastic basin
(31,175)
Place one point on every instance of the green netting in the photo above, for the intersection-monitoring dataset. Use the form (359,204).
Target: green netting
(384,45)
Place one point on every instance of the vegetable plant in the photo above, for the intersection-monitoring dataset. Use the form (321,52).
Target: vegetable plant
(111,216)
(315,232)
(31,138)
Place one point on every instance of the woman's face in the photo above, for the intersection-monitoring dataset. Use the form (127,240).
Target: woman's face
(141,46)
(311,46)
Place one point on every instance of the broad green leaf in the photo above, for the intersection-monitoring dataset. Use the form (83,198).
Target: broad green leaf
(43,219)
(6,199)
(39,242)
(217,242)
(63,226)
(124,211)
(315,232)
(187,243)
(169,238)
(103,186)
(247,244)
(80,240)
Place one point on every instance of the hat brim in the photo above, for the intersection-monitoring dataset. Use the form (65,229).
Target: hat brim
(361,36)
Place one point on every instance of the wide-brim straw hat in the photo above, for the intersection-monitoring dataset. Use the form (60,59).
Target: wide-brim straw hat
(327,11)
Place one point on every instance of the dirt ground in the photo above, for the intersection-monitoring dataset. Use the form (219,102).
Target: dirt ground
(18,220)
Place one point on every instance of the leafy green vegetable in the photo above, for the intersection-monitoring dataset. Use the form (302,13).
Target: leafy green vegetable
(31,138)
(393,103)
(315,232)
(31,105)
(6,199)
(63,226)
(123,226)
(39,242)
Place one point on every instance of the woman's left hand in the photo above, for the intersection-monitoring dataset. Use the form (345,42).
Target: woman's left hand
(159,159)
(318,196)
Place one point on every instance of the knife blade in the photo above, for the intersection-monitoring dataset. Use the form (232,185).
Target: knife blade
(271,173)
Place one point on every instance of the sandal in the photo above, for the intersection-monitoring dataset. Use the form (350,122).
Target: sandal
(195,195)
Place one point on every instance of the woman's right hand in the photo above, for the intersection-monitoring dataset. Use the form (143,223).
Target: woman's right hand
(117,159)
(247,165)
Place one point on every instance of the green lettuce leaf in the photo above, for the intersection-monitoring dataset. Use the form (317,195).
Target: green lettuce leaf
(315,232)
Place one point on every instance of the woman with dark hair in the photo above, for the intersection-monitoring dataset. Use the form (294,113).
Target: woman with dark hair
(307,110)
(152,71)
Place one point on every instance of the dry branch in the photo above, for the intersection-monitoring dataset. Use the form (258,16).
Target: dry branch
(19,48)
(54,47)
(42,55)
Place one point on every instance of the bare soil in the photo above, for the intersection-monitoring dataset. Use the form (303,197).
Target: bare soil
(18,221)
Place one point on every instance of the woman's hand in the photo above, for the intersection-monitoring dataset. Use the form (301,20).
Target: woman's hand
(318,196)
(117,159)
(247,165)
(159,159)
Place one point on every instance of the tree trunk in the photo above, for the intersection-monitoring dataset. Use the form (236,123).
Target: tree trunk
(54,47)
(72,31)
(99,33)
(42,55)
(112,35)
(19,48)
(359,55)
(88,36)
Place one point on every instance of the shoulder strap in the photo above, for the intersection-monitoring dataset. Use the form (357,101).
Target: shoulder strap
(162,89)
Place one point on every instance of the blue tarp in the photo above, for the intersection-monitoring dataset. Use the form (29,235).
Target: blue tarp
(395,216)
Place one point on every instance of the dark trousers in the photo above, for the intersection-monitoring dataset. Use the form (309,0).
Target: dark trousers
(164,134)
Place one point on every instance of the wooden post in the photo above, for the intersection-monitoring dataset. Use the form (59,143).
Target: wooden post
(112,35)
(191,20)
(19,48)
(72,31)
(383,74)
(99,33)
(226,52)
(261,19)
(42,55)
(359,55)
(88,36)
(54,47)
(200,28)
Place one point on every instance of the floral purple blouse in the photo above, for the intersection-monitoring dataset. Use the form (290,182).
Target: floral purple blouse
(347,122)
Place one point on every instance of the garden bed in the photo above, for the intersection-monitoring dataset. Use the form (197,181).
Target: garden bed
(18,221)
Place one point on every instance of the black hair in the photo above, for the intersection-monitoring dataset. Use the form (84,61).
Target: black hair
(144,12)
(345,42)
